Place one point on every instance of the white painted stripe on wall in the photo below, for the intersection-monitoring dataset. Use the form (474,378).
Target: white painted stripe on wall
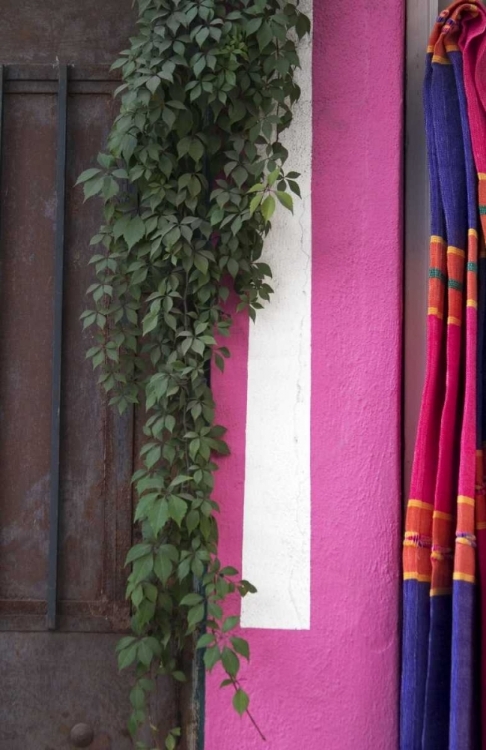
(277,511)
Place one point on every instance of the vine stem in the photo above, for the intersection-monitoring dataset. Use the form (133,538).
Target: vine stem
(247,712)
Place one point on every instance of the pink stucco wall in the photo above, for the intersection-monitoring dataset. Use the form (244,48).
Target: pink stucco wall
(334,687)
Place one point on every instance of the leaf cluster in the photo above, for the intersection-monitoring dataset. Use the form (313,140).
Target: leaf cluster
(190,181)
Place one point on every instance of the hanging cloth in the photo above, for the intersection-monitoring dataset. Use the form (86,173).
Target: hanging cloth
(471,31)
(438,707)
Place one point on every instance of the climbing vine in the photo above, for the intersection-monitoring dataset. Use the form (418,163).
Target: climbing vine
(190,180)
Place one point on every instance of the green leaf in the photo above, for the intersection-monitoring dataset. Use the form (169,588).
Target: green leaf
(192,520)
(302,26)
(264,36)
(158,516)
(145,653)
(273,177)
(151,592)
(177,509)
(205,640)
(199,66)
(294,186)
(93,187)
(134,232)
(195,615)
(198,346)
(268,207)
(137,697)
(190,600)
(255,202)
(239,175)
(228,570)
(142,568)
(162,567)
(196,150)
(201,36)
(88,174)
(233,267)
(241,647)
(153,84)
(153,456)
(123,643)
(230,623)
(211,657)
(127,656)
(231,663)
(181,479)
(253,26)
(170,422)
(139,550)
(286,200)
(257,188)
(150,322)
(201,263)
(170,551)
(241,701)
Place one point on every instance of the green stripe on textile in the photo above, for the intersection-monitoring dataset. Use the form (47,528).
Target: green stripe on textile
(472,266)
(453,284)
(436,273)
(482,209)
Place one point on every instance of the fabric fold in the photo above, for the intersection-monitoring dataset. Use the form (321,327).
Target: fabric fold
(440,687)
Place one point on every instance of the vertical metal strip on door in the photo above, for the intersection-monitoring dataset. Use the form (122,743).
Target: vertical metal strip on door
(57,350)
(2,92)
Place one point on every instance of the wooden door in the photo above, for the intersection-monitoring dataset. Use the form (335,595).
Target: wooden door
(61,594)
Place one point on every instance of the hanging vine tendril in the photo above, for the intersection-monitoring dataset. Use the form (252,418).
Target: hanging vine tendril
(190,181)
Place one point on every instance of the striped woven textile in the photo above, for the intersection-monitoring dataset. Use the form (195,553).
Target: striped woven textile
(471,31)
(440,689)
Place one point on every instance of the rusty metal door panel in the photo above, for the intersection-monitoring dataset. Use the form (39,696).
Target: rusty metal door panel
(27,237)
(96,449)
(87,32)
(82,684)
(52,681)
(95,444)
(83,687)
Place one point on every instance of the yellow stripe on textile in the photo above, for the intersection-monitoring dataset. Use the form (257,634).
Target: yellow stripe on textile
(441,60)
(451,250)
(420,504)
(441,514)
(464,577)
(417,577)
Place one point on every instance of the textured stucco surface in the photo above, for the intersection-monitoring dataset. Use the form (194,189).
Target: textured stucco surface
(334,687)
